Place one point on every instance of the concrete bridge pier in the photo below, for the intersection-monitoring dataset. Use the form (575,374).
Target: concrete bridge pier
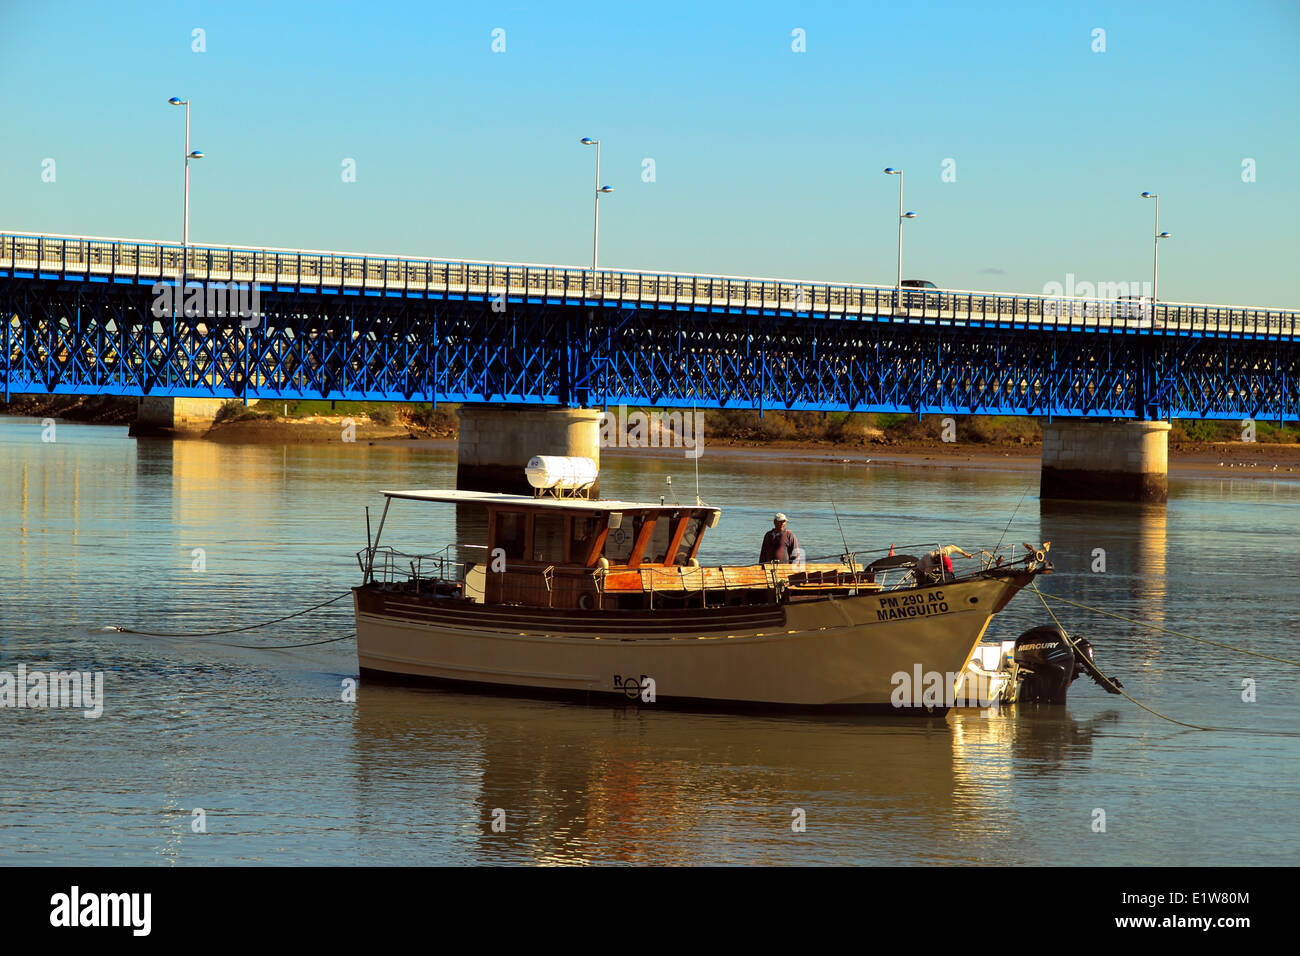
(1087,460)
(496,442)
(174,417)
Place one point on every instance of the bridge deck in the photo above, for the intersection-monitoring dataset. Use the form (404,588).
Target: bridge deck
(108,259)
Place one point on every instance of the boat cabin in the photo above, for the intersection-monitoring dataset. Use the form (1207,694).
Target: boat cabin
(593,555)
(570,552)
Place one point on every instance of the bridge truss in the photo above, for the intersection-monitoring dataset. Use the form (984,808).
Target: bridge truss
(75,335)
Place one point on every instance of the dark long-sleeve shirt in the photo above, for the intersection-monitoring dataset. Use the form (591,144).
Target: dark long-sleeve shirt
(779,546)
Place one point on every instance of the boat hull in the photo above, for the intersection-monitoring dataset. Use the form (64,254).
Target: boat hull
(843,653)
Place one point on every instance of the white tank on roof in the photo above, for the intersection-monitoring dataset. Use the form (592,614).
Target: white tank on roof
(557,472)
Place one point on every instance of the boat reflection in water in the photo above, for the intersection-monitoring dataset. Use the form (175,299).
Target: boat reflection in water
(577,784)
(636,784)
(1000,760)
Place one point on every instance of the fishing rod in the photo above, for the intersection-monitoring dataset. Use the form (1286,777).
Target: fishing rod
(845,557)
(998,546)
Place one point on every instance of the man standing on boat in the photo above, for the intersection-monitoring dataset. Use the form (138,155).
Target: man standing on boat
(779,544)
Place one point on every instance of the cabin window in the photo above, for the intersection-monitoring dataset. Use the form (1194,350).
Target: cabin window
(657,550)
(581,537)
(548,538)
(621,540)
(510,529)
(689,538)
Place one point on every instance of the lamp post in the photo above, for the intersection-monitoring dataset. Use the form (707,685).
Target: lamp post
(1155,260)
(898,287)
(595,238)
(185,229)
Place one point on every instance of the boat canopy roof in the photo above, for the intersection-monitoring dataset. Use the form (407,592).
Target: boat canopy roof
(527,501)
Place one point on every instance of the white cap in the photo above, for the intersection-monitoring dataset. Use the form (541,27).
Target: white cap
(779,517)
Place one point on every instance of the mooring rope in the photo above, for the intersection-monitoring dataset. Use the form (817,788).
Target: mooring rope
(251,647)
(279,647)
(233,630)
(1167,630)
(1181,723)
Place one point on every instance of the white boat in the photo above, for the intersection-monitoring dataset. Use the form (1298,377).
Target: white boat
(1038,667)
(607,598)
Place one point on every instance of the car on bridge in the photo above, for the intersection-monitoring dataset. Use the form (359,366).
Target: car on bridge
(919,299)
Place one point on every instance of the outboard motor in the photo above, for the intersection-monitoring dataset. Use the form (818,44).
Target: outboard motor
(1046,665)
(1085,663)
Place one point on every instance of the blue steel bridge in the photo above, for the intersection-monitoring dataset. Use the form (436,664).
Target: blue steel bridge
(79,318)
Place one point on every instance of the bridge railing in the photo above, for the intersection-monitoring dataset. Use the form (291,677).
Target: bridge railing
(320,270)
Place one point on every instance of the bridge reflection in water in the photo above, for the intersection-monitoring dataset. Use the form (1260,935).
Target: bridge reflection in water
(1112,556)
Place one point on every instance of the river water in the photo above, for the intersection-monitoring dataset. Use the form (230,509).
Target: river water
(99,529)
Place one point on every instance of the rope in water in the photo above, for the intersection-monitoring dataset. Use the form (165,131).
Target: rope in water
(265,647)
(1166,630)
(237,630)
(1181,723)
(1115,687)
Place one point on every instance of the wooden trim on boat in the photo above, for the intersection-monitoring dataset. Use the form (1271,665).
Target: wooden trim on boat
(668,622)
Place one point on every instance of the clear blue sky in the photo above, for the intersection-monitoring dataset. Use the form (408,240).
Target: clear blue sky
(768,162)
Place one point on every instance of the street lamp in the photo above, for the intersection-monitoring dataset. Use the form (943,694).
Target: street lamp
(595,239)
(189,154)
(1155,262)
(898,288)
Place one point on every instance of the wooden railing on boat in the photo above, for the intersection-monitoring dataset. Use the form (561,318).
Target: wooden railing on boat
(802,577)
(536,585)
